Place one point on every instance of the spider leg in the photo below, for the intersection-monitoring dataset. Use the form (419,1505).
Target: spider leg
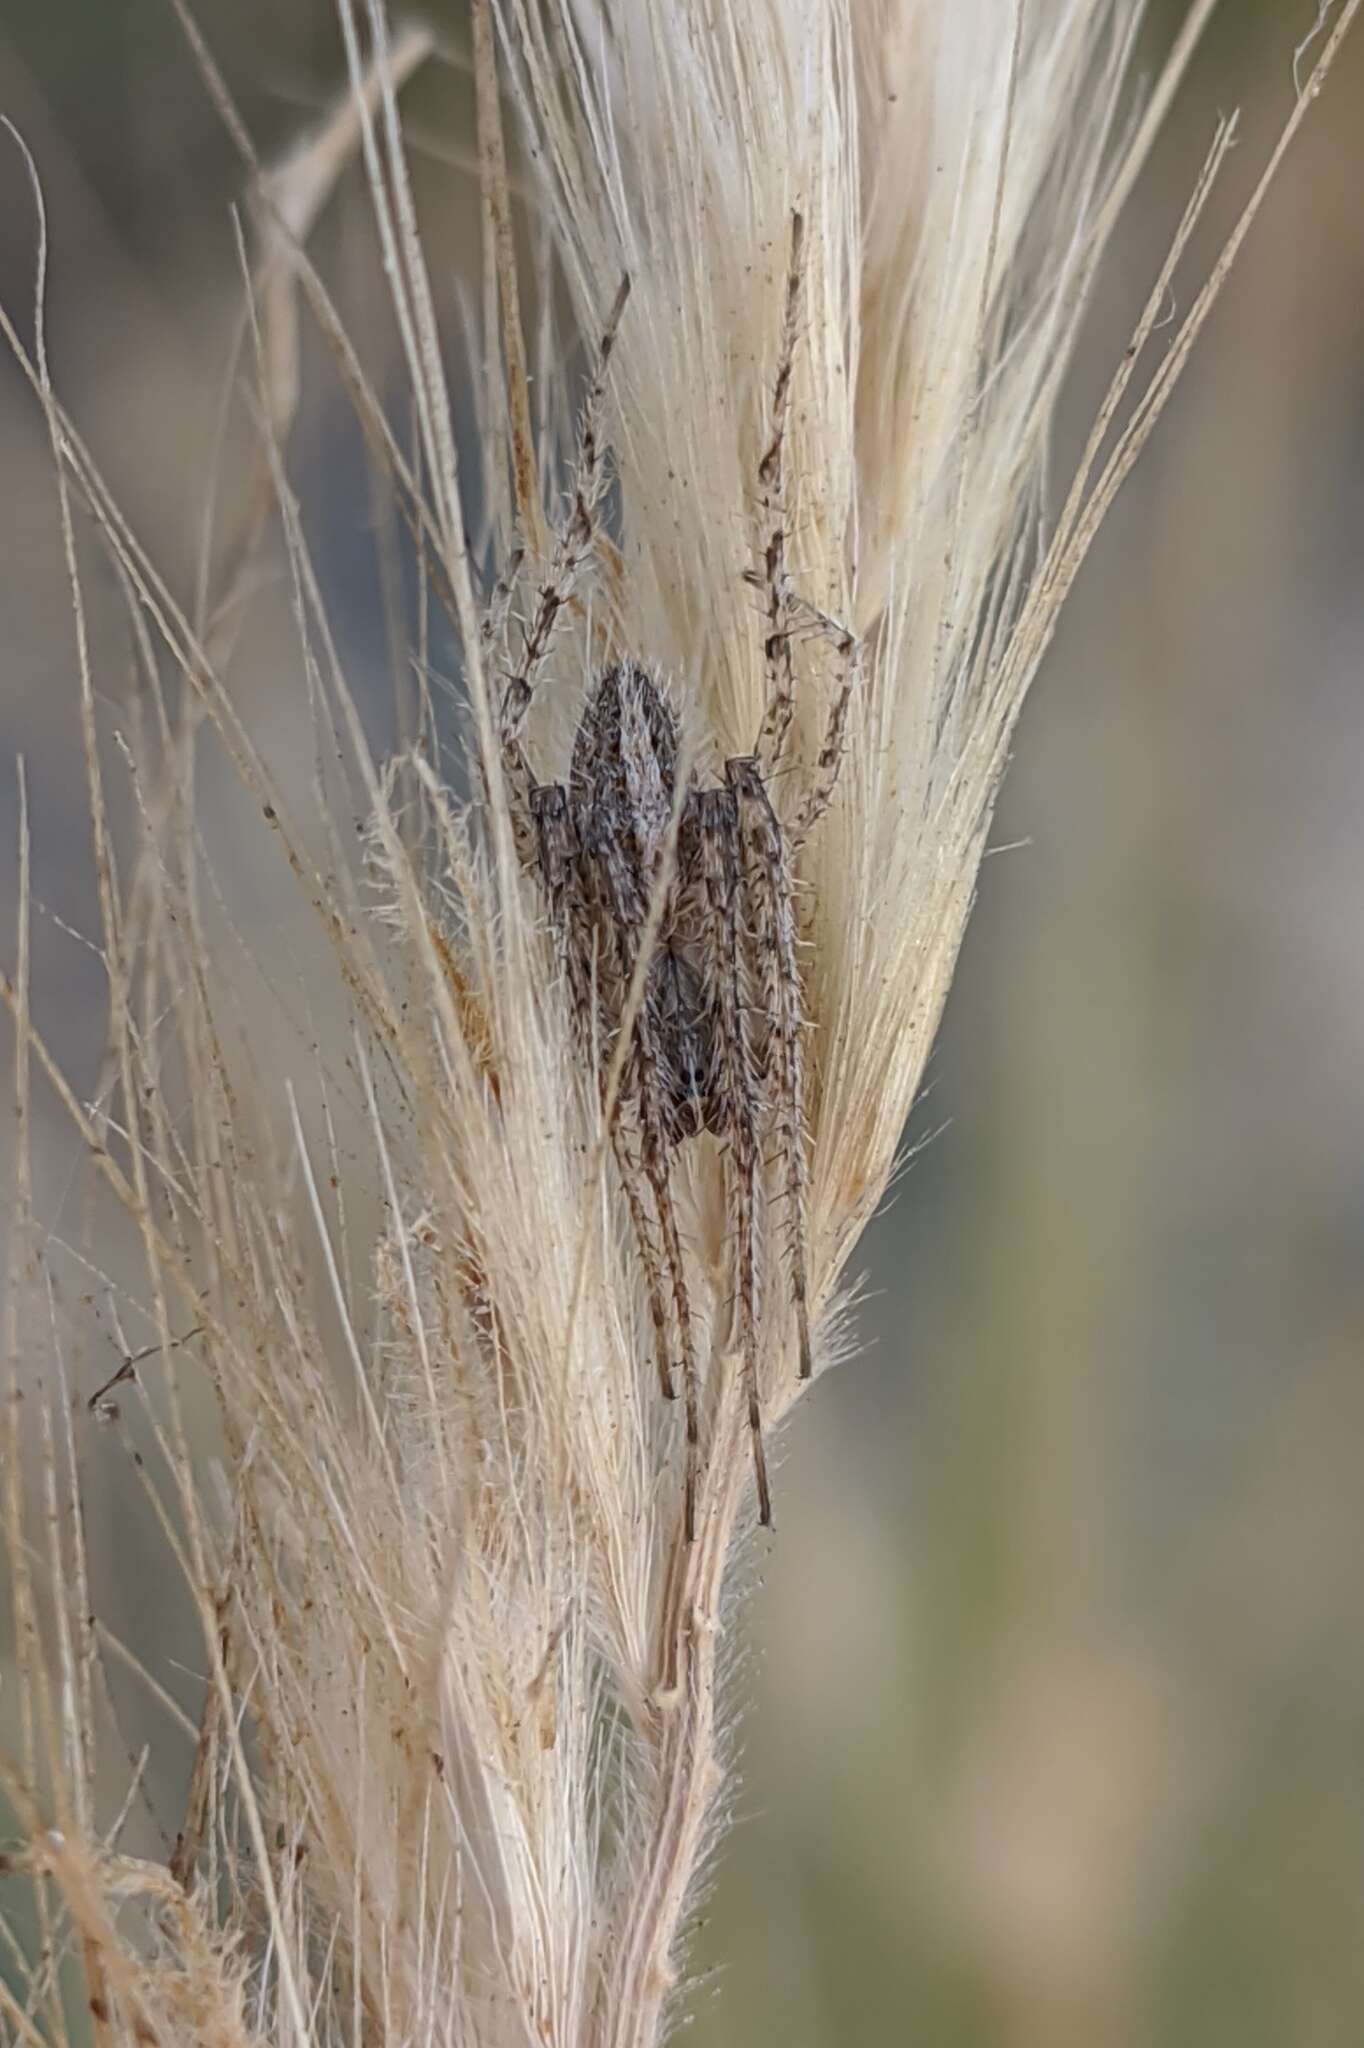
(556,851)
(848,649)
(718,832)
(781,682)
(628,1168)
(654,1149)
(647,1092)
(767,881)
(556,848)
(570,552)
(499,603)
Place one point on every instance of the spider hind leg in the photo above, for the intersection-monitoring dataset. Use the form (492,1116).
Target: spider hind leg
(644,1088)
(766,883)
(718,834)
(654,1149)
(556,848)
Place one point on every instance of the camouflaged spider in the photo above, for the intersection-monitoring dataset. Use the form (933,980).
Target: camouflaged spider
(716,1040)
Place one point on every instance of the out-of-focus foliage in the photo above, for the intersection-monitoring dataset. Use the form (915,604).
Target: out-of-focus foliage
(1060,1678)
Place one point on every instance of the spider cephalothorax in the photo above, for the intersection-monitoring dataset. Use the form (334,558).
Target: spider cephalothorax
(701,875)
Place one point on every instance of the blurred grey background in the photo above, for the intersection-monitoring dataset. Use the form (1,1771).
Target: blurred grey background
(1059,1666)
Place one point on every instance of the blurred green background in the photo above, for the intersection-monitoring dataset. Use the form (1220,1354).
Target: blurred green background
(1058,1736)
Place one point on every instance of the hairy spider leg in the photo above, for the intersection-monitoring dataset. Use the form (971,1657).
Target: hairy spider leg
(718,833)
(767,883)
(781,679)
(654,1151)
(570,552)
(646,1073)
(848,649)
(499,604)
(556,850)
(631,1180)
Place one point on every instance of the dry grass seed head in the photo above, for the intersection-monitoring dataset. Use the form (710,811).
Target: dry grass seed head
(457,1757)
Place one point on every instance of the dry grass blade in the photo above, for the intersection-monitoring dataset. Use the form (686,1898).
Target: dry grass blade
(390,1316)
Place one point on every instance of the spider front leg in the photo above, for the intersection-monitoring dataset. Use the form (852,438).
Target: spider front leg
(766,879)
(571,550)
(717,822)
(781,680)
(848,650)
(500,602)
(556,850)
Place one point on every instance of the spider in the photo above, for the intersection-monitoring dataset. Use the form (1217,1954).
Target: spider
(716,1039)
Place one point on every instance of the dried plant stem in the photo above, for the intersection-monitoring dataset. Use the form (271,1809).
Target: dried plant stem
(685,1769)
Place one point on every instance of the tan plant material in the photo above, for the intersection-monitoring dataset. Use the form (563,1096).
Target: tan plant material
(460,1753)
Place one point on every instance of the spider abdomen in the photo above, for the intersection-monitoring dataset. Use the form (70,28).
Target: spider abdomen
(683,1029)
